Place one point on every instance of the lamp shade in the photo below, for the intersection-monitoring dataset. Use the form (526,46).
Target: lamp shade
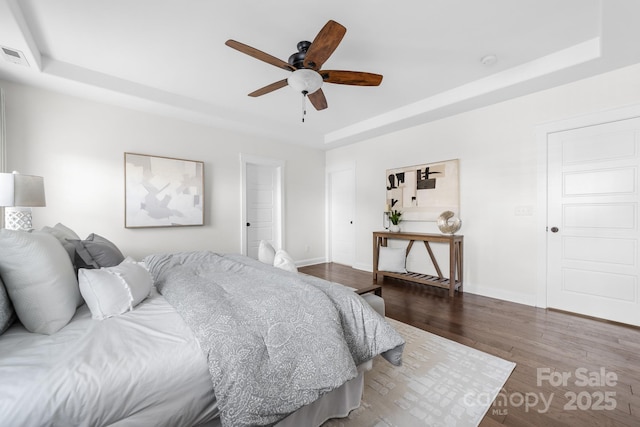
(21,190)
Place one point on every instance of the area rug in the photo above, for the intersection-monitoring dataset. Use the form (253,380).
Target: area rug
(441,383)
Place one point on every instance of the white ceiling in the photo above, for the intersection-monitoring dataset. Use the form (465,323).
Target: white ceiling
(169,57)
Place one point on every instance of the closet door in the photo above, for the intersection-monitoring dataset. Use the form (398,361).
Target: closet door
(592,238)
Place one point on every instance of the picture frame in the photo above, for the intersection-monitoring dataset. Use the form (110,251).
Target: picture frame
(162,191)
(423,192)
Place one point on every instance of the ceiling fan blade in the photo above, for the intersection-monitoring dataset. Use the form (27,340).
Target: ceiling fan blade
(269,88)
(258,54)
(324,44)
(356,78)
(318,100)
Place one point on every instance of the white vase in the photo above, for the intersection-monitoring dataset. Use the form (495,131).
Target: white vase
(394,228)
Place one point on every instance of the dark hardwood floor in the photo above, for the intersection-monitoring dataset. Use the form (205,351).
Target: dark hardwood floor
(599,360)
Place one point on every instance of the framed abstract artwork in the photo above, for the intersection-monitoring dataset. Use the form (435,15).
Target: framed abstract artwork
(162,191)
(423,192)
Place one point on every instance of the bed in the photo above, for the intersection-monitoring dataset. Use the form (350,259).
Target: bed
(208,339)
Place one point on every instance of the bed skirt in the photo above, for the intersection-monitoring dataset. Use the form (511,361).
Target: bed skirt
(335,404)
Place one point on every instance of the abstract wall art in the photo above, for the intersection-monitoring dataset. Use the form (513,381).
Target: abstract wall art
(163,191)
(423,192)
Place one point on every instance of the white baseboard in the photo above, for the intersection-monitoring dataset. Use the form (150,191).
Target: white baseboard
(501,294)
(364,267)
(310,261)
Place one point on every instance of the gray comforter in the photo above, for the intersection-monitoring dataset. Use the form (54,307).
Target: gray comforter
(274,340)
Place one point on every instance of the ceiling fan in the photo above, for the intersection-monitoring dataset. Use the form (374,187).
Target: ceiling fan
(307,76)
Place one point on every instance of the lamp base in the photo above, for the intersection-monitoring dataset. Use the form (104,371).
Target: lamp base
(18,219)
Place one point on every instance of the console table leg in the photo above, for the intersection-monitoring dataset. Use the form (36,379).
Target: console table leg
(452,269)
(376,250)
(460,264)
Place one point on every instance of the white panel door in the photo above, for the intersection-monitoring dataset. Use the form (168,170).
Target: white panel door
(593,221)
(342,199)
(261,206)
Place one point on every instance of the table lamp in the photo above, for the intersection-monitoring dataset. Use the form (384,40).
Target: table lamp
(19,193)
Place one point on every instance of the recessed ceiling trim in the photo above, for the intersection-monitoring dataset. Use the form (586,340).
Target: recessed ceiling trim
(555,62)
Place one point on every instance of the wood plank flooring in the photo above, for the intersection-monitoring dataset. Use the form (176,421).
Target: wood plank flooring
(599,360)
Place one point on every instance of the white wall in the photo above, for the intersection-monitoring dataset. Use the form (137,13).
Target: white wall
(497,149)
(78,146)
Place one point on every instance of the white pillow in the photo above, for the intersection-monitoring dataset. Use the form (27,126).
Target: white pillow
(110,291)
(39,279)
(284,261)
(392,259)
(266,253)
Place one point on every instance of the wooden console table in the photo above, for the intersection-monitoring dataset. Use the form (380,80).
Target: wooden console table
(455,242)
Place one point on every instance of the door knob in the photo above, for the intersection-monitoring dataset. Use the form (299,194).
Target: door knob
(248,224)
(554,229)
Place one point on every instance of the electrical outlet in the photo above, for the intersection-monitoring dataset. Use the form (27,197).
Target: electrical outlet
(524,211)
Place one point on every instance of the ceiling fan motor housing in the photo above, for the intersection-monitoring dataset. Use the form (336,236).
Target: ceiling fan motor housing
(297,58)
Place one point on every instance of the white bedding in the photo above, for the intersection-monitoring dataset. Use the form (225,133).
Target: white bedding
(160,378)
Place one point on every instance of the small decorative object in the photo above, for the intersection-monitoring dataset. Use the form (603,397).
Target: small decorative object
(395,216)
(447,227)
(385,220)
(163,191)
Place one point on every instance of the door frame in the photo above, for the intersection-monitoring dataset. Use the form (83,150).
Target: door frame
(342,167)
(3,146)
(279,165)
(542,134)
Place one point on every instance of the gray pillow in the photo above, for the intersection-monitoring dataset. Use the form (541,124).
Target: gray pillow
(64,234)
(96,252)
(7,314)
(39,279)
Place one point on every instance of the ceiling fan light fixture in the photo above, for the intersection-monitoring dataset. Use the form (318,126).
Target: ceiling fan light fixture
(305,81)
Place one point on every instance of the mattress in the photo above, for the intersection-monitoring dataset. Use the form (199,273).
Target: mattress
(141,368)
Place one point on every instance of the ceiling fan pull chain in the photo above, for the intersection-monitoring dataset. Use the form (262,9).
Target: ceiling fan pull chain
(304,104)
